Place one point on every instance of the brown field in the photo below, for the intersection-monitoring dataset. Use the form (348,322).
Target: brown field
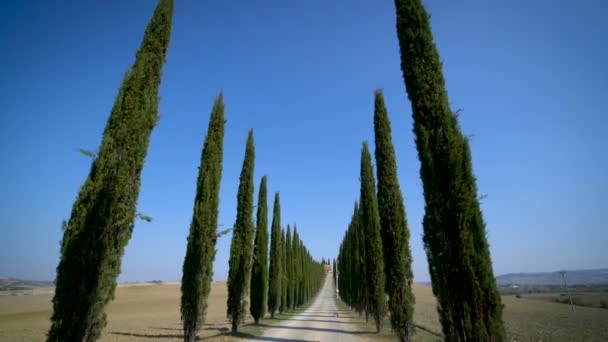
(530,320)
(151,313)
(593,299)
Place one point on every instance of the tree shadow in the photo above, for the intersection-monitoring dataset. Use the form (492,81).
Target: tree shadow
(327,311)
(165,336)
(321,321)
(338,331)
(210,326)
(263,338)
(221,331)
(327,316)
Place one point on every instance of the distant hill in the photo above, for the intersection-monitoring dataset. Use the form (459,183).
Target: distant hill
(8,283)
(18,287)
(573,277)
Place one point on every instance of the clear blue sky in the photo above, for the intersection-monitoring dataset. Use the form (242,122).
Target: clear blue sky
(531,77)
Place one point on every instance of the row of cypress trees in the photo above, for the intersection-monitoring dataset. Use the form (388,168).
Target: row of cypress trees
(294,276)
(249,278)
(103,215)
(460,264)
(248,282)
(374,260)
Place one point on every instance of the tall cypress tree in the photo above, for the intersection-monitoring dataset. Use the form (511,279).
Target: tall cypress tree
(393,222)
(297,268)
(274,271)
(284,279)
(360,270)
(242,242)
(103,214)
(460,265)
(259,270)
(289,270)
(197,271)
(334,271)
(370,221)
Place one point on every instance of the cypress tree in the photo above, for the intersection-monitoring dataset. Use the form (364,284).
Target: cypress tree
(197,271)
(259,270)
(102,217)
(303,261)
(289,270)
(370,221)
(393,222)
(333,271)
(295,268)
(351,265)
(360,275)
(242,242)
(298,281)
(455,241)
(274,272)
(284,279)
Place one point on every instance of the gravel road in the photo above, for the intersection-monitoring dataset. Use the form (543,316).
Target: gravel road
(322,321)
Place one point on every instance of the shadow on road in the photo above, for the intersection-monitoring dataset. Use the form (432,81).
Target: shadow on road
(320,320)
(339,331)
(222,331)
(327,316)
(264,338)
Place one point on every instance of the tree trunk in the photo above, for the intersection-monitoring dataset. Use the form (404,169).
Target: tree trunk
(235,326)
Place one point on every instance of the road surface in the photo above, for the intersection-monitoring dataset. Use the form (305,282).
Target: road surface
(322,321)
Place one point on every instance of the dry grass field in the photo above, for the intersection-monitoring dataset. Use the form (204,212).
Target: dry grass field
(151,313)
(138,313)
(525,319)
(529,320)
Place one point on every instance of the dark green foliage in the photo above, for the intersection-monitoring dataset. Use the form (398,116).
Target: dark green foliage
(393,222)
(334,271)
(351,265)
(469,306)
(302,276)
(242,242)
(197,272)
(103,214)
(274,271)
(284,278)
(359,289)
(370,221)
(259,270)
(296,269)
(289,270)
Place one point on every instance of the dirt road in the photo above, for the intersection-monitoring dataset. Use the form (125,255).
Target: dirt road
(322,321)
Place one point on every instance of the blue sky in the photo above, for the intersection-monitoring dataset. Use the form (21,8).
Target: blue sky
(531,77)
